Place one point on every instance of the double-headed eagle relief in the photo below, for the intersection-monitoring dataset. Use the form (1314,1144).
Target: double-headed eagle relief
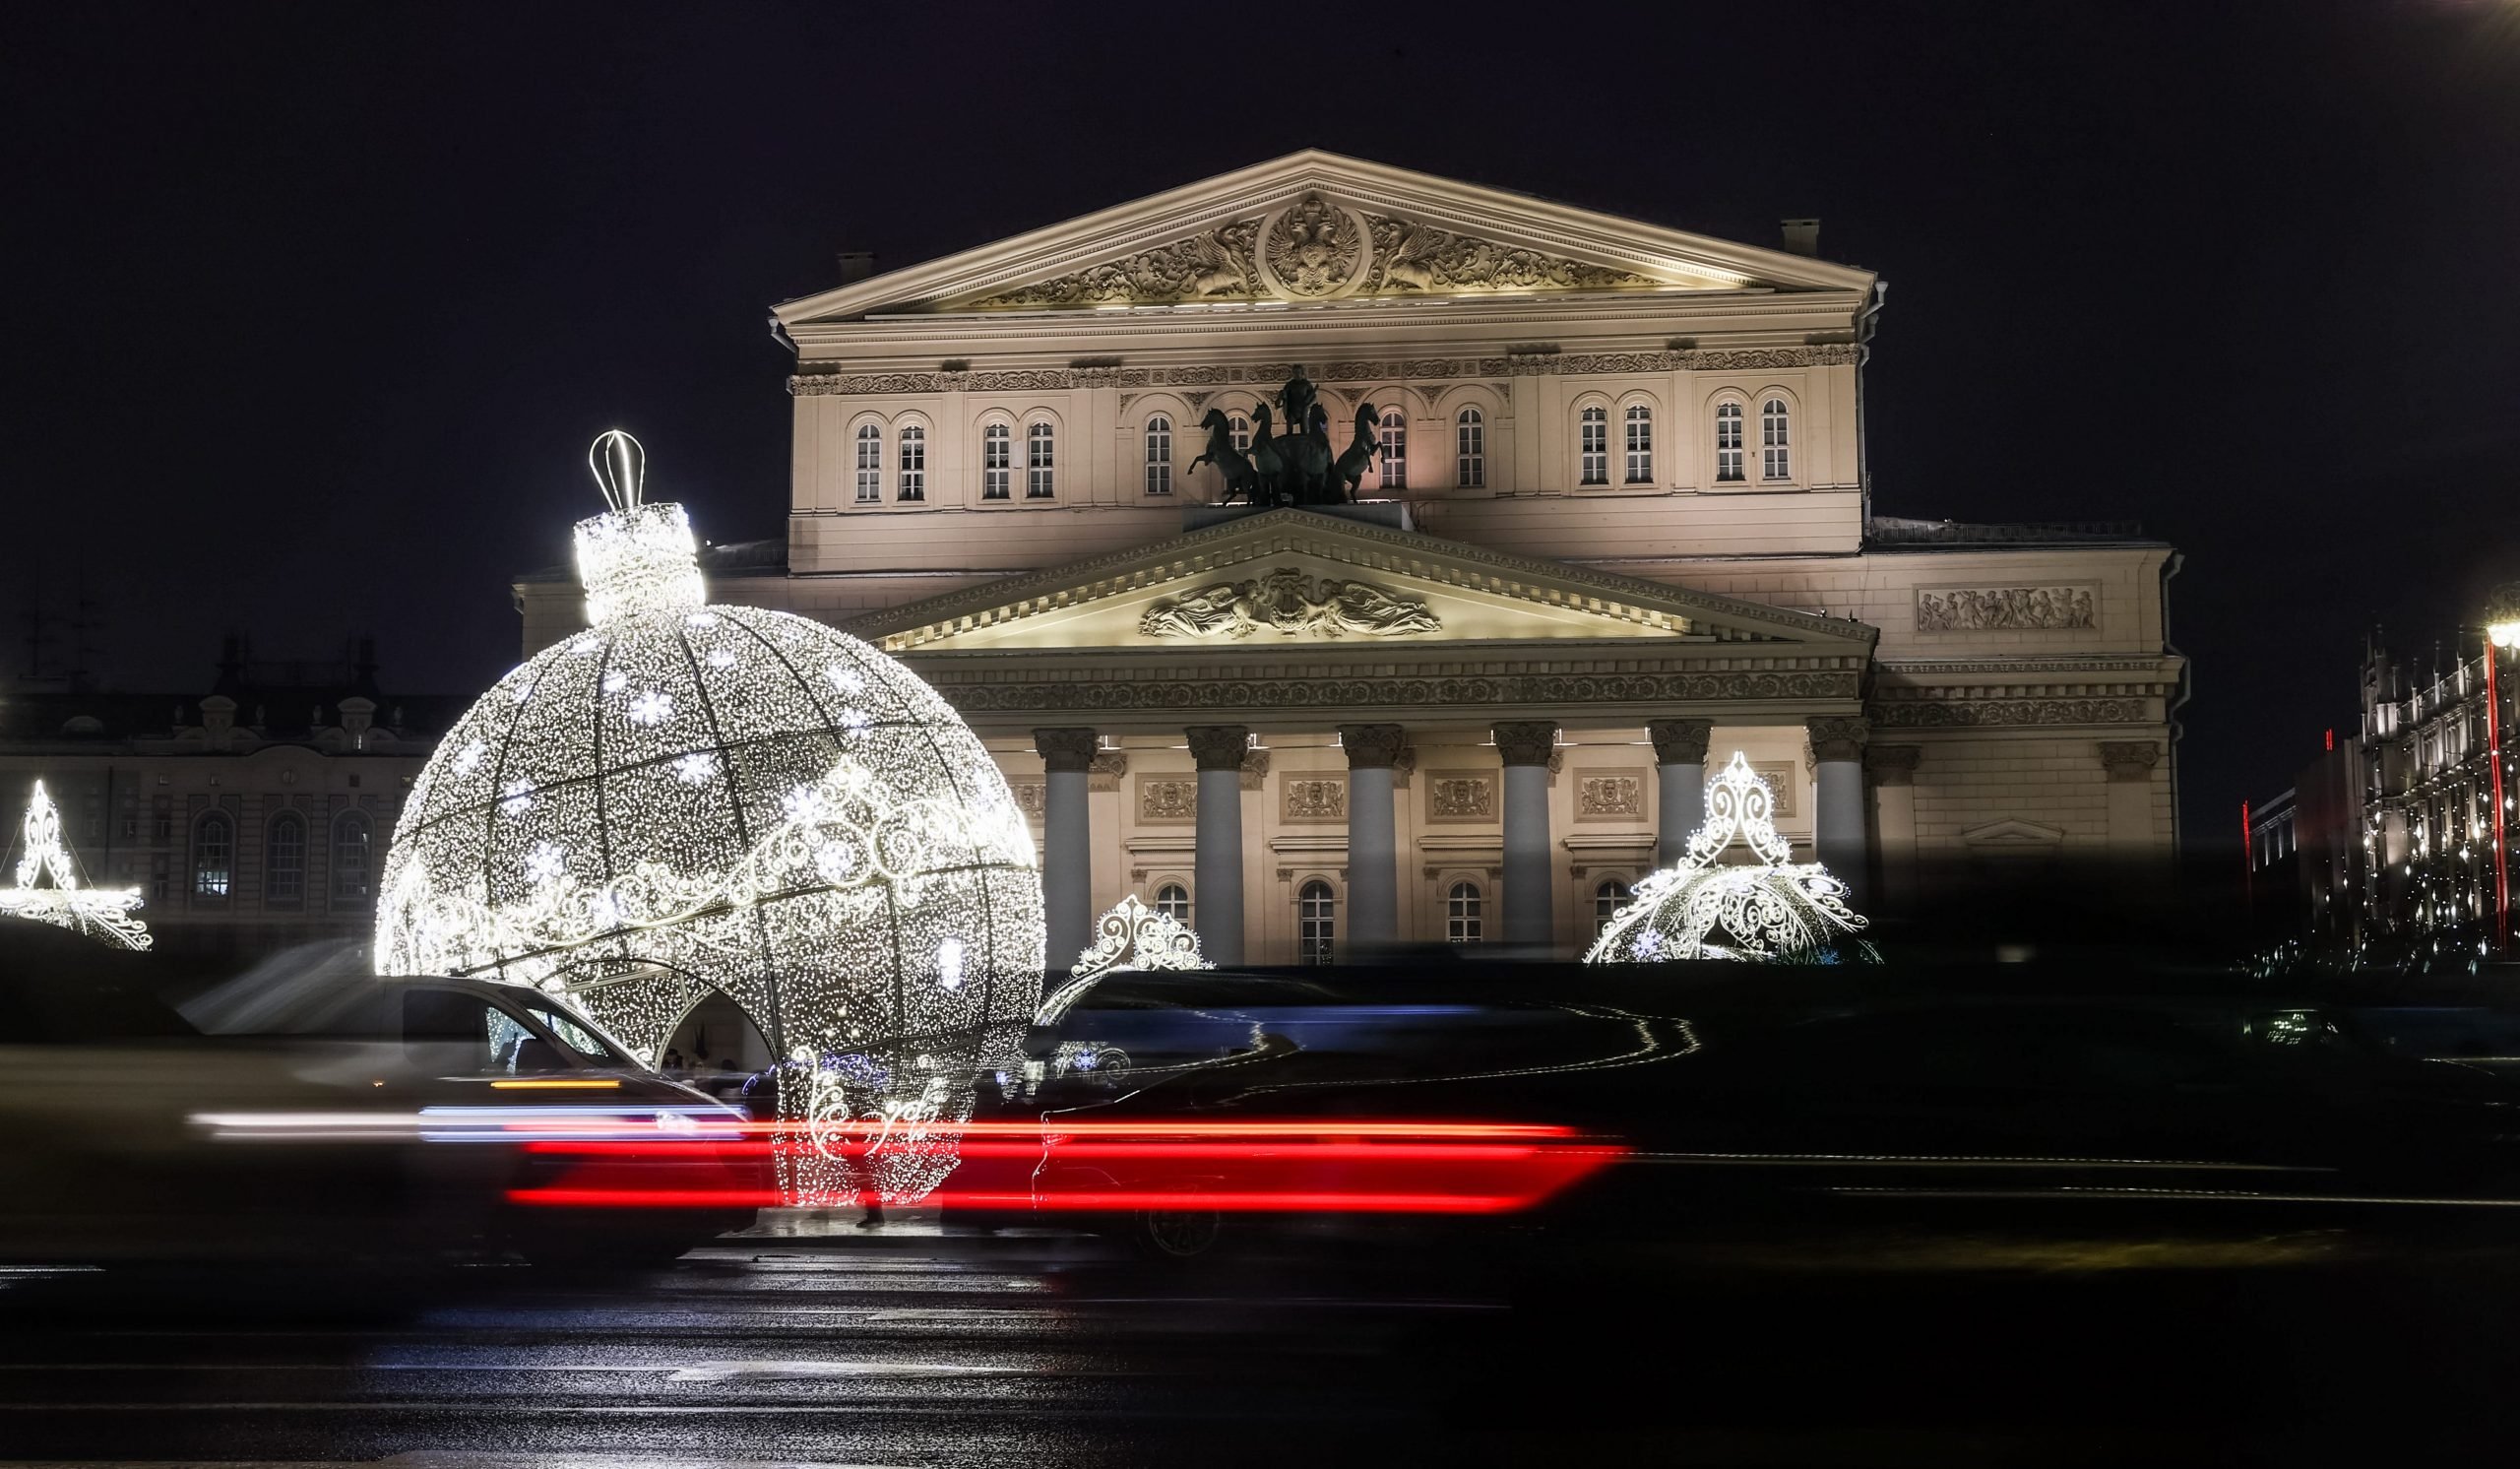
(1289,602)
(1315,249)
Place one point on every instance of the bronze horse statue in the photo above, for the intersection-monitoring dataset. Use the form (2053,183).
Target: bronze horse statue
(1240,477)
(1266,464)
(1348,474)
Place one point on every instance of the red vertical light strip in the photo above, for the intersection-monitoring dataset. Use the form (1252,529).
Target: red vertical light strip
(2248,861)
(2494,756)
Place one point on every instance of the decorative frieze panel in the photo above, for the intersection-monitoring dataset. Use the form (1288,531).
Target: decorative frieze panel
(1610,795)
(1167,800)
(1313,798)
(2005,609)
(1930,714)
(1289,603)
(1269,376)
(1191,692)
(1460,796)
(1420,258)
(1784,782)
(1031,798)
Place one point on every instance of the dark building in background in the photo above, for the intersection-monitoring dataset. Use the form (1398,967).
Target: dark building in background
(250,813)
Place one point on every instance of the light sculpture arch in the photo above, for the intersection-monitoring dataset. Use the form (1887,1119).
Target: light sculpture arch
(687,797)
(1770,909)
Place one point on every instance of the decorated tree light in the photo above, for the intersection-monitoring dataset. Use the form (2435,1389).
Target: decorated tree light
(48,892)
(685,798)
(1773,909)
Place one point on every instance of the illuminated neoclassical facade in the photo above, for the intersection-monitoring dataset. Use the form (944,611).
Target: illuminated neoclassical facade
(1584,508)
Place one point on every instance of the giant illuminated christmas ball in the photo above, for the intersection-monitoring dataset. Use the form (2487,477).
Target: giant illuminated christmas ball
(687,797)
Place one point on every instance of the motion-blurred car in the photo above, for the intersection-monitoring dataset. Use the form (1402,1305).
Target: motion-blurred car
(382,1120)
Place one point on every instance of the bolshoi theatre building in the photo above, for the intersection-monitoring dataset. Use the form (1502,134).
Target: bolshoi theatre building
(1334,554)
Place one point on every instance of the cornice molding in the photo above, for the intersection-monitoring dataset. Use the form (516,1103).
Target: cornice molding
(1654,604)
(1270,375)
(1984,713)
(982,692)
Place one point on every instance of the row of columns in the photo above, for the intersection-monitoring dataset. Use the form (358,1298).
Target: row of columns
(1524,746)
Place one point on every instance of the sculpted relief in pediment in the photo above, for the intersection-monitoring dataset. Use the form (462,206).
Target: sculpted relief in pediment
(1291,603)
(1315,249)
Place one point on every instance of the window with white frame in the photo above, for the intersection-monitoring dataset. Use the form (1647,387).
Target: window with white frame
(1608,899)
(914,480)
(1240,427)
(1172,900)
(1728,441)
(1776,441)
(870,464)
(284,865)
(214,855)
(1593,436)
(352,837)
(1316,922)
(1640,444)
(1470,449)
(998,462)
(1462,913)
(1041,445)
(1159,455)
(1394,458)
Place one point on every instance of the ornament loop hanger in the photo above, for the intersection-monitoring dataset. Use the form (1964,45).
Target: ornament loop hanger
(620,465)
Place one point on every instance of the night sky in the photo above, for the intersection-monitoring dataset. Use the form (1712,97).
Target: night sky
(313,309)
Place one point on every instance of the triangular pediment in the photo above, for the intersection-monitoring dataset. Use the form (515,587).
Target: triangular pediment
(1283,577)
(1315,226)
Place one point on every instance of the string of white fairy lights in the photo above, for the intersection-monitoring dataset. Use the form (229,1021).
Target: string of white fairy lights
(47,889)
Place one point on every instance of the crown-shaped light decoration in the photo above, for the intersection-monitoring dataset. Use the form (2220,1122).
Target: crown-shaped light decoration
(99,912)
(634,557)
(1131,935)
(1773,911)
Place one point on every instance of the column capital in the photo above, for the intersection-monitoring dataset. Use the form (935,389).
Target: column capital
(1373,747)
(1892,764)
(1837,736)
(2130,759)
(1679,742)
(1219,747)
(1066,750)
(1526,741)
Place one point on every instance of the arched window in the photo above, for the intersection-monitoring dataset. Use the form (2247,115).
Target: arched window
(1728,441)
(998,462)
(914,480)
(1172,900)
(1607,900)
(352,837)
(1159,455)
(214,855)
(1316,922)
(1240,427)
(1395,450)
(1640,444)
(285,863)
(1462,913)
(1041,473)
(1775,445)
(1470,449)
(870,464)
(1592,427)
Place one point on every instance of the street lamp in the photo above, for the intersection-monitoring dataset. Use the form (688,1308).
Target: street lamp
(2503,615)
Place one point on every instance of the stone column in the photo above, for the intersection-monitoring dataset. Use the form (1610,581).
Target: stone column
(1373,845)
(1067,843)
(2129,764)
(1680,755)
(1836,827)
(1217,870)
(1893,769)
(1525,747)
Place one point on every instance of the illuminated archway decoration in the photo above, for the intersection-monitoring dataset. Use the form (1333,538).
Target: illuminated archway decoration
(685,798)
(1773,909)
(1130,935)
(48,892)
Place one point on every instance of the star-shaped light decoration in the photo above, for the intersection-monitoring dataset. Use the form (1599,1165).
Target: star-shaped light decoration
(102,913)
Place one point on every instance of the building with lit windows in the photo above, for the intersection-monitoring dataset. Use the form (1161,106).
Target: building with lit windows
(250,817)
(1611,519)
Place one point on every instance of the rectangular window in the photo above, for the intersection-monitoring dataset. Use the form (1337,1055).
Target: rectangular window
(1394,456)
(997,459)
(1640,445)
(1470,457)
(870,466)
(1774,450)
(1316,924)
(284,885)
(914,480)
(1040,473)
(1596,447)
(1158,455)
(1728,441)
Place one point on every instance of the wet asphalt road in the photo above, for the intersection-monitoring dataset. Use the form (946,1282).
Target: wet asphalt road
(915,1349)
